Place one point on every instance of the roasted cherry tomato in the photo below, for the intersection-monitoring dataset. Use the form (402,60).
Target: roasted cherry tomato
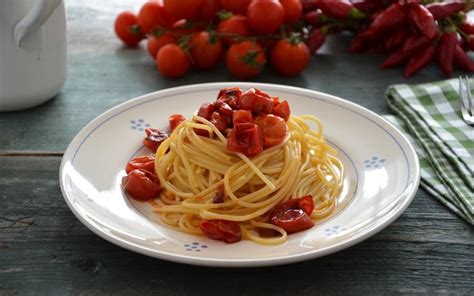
(282,110)
(153,16)
(175,120)
(155,43)
(273,129)
(242,116)
(154,137)
(230,96)
(183,9)
(146,163)
(246,138)
(142,185)
(256,101)
(171,61)
(245,59)
(290,58)
(234,26)
(127,28)
(306,203)
(206,110)
(265,16)
(219,120)
(205,51)
(227,231)
(224,108)
(293,220)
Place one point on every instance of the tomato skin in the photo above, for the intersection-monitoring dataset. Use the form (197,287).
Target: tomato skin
(127,28)
(153,15)
(204,51)
(227,231)
(246,138)
(155,43)
(293,220)
(293,10)
(282,110)
(146,163)
(171,61)
(273,129)
(240,116)
(235,6)
(256,101)
(236,25)
(230,96)
(290,59)
(154,137)
(183,27)
(206,110)
(175,120)
(208,10)
(219,120)
(183,9)
(265,16)
(142,185)
(245,59)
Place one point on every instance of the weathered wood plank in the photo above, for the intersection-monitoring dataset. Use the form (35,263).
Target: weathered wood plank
(45,249)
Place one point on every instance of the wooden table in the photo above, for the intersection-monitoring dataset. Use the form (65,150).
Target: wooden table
(45,250)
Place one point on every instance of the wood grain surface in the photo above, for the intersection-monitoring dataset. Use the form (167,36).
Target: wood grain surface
(45,250)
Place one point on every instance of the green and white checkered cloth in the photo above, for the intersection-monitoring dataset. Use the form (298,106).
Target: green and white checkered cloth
(430,116)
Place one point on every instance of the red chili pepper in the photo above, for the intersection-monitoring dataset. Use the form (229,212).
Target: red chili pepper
(396,39)
(392,17)
(420,60)
(446,46)
(462,60)
(315,40)
(415,41)
(467,27)
(441,10)
(341,9)
(368,6)
(423,20)
(395,59)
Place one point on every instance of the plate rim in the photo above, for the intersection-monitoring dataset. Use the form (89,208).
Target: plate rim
(408,193)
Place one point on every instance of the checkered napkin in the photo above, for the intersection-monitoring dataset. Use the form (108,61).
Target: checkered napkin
(430,116)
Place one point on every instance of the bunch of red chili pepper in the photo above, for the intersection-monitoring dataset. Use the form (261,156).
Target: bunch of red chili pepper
(414,32)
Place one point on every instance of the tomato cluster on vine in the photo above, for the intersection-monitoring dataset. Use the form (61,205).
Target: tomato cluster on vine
(247,34)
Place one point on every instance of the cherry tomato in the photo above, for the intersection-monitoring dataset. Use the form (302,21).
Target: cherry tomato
(155,43)
(208,10)
(219,121)
(235,6)
(273,129)
(246,138)
(127,28)
(146,163)
(206,110)
(290,58)
(153,16)
(142,185)
(227,231)
(256,101)
(245,59)
(293,220)
(184,27)
(175,120)
(205,51)
(171,61)
(282,109)
(183,9)
(265,16)
(293,10)
(154,137)
(234,26)
(242,116)
(306,203)
(230,96)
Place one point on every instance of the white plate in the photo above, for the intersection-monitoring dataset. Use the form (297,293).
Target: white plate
(382,176)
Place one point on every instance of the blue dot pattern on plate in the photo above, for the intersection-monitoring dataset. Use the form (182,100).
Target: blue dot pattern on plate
(374,162)
(333,230)
(194,246)
(139,125)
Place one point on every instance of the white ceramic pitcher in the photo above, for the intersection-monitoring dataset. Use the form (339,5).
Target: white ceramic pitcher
(32,52)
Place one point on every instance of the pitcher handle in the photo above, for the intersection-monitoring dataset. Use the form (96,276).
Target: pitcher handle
(35,18)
